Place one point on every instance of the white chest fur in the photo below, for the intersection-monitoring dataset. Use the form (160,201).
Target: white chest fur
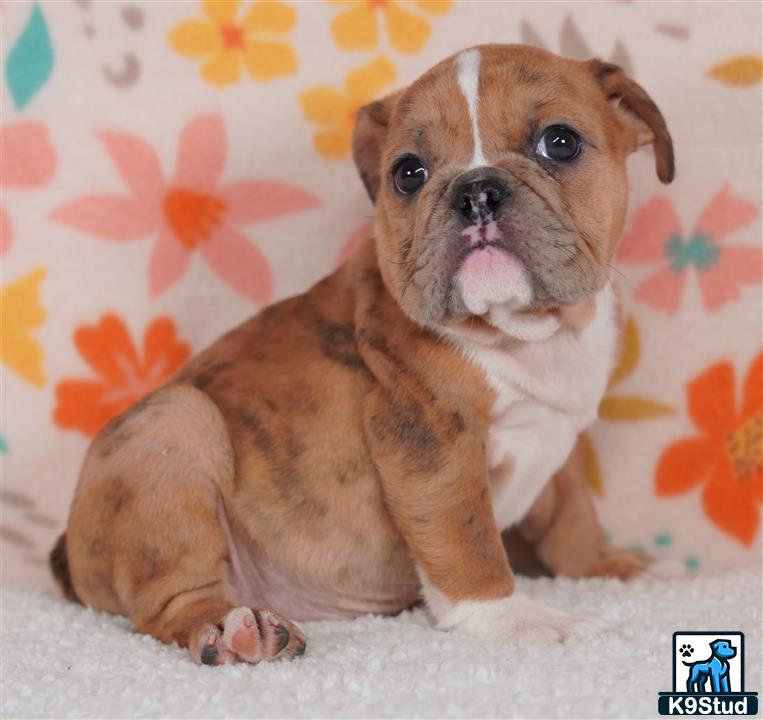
(547,391)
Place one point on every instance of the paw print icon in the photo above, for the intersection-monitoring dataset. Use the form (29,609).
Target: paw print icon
(686,650)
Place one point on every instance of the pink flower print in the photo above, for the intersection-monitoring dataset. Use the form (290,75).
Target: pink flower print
(189,212)
(655,237)
(27,161)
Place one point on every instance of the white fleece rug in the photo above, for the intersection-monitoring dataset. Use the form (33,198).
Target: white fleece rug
(61,660)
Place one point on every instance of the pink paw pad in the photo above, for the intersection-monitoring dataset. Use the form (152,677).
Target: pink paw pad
(261,634)
(242,634)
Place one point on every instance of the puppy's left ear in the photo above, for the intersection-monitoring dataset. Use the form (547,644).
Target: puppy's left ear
(368,140)
(638,110)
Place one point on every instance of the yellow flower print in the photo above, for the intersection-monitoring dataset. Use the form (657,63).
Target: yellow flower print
(224,43)
(408,27)
(335,109)
(741,70)
(21,314)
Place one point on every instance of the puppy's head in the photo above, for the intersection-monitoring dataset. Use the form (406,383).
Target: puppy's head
(499,183)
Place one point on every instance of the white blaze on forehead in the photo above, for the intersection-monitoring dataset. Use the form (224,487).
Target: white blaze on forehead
(468,80)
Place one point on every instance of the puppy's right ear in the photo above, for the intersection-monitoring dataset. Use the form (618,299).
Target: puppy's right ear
(368,140)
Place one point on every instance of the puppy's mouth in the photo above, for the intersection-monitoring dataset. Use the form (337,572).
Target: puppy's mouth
(492,283)
(489,273)
(489,276)
(495,288)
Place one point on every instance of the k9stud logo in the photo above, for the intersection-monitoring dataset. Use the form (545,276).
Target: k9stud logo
(708,676)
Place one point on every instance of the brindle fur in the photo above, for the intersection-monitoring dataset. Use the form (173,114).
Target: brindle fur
(335,435)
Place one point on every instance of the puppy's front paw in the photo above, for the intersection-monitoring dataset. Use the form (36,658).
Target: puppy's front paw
(517,617)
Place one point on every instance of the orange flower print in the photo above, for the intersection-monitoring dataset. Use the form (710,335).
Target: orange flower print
(124,375)
(225,42)
(334,110)
(189,213)
(408,27)
(727,456)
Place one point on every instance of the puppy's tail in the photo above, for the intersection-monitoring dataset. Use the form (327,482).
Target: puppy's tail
(59,564)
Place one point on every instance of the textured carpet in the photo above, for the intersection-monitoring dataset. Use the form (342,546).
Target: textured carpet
(61,660)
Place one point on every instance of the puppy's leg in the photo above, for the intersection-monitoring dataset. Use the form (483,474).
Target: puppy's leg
(434,478)
(563,527)
(145,536)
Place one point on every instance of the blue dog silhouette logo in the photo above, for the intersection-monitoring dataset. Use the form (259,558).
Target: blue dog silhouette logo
(708,676)
(715,669)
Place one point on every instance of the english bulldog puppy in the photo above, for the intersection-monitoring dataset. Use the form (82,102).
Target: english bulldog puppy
(363,446)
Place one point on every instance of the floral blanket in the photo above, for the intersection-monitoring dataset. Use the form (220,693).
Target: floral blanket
(169,168)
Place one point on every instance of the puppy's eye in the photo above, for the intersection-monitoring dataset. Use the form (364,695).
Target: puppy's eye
(409,175)
(558,143)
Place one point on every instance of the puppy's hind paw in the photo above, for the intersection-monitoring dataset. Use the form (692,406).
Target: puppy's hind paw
(619,563)
(247,635)
(666,570)
(258,634)
(207,648)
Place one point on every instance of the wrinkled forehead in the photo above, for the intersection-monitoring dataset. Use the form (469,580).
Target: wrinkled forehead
(486,101)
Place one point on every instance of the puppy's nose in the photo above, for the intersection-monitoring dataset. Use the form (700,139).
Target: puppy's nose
(479,199)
